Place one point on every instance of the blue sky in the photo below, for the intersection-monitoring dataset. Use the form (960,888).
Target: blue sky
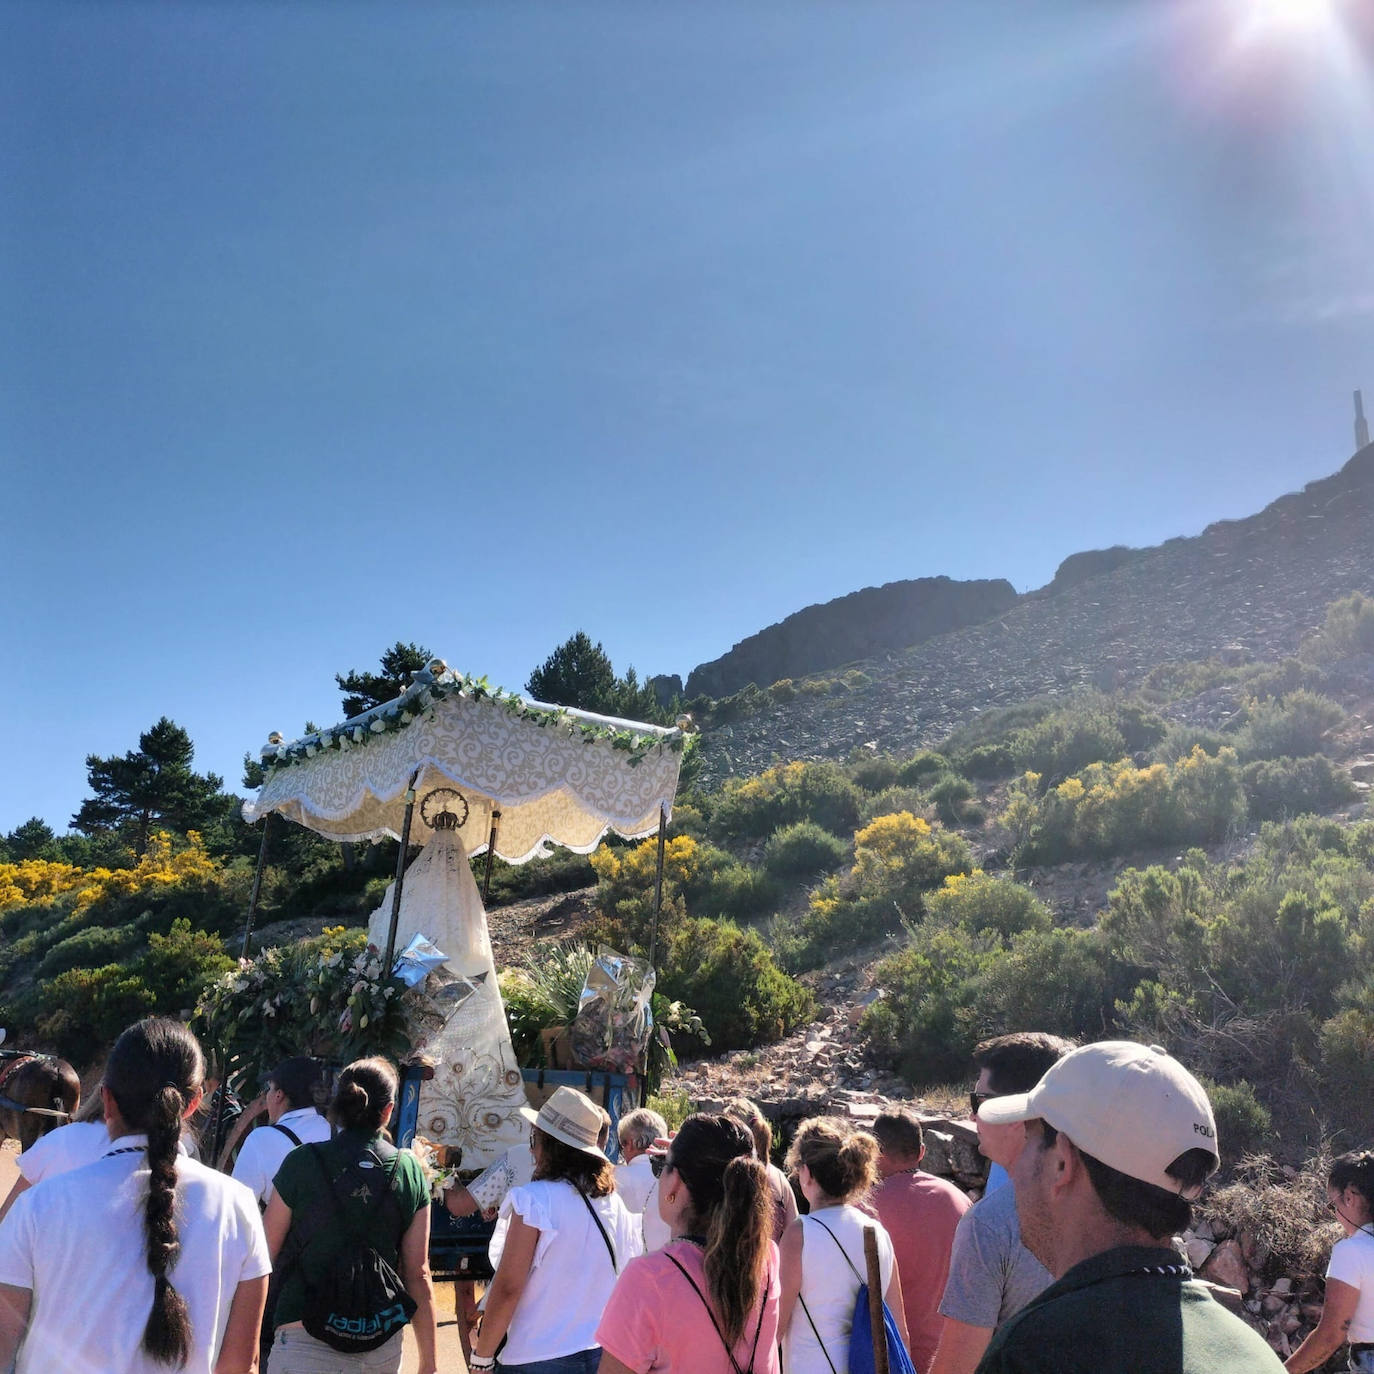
(324,325)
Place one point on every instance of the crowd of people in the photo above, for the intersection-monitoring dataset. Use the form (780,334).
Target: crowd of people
(121,1252)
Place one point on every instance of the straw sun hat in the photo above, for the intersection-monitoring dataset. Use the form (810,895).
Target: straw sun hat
(569,1116)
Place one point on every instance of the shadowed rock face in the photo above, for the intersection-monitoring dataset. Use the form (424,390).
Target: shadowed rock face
(1255,586)
(872,621)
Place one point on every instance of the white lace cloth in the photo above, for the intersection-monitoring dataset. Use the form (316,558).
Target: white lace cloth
(474,1098)
(549,782)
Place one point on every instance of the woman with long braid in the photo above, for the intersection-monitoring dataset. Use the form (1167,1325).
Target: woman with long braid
(145,1261)
(708,1301)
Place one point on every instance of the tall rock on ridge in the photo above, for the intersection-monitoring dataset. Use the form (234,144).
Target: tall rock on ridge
(872,621)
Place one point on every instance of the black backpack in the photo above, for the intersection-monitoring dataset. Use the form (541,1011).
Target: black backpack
(357,1301)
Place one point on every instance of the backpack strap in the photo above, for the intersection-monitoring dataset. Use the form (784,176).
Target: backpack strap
(610,1249)
(816,1334)
(287,1132)
(843,1251)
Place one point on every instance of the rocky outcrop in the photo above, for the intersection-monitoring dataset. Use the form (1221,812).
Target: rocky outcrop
(1082,567)
(872,621)
(1255,586)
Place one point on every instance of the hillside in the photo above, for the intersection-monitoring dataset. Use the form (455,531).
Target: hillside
(1250,588)
(893,616)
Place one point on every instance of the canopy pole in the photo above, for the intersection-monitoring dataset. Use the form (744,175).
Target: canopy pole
(257,886)
(400,877)
(491,850)
(658,882)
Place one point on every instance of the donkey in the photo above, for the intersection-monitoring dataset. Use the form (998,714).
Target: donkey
(37,1092)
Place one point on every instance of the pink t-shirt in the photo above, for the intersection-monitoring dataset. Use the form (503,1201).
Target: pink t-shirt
(654,1323)
(920,1213)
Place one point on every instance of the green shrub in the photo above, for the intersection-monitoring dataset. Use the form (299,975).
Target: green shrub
(855,679)
(1068,741)
(783,690)
(803,849)
(1295,726)
(815,687)
(925,1024)
(1243,1121)
(1180,740)
(729,976)
(85,1009)
(561,871)
(981,903)
(874,772)
(1289,787)
(988,761)
(893,800)
(920,768)
(1347,1064)
(1115,808)
(950,793)
(753,808)
(1349,630)
(89,948)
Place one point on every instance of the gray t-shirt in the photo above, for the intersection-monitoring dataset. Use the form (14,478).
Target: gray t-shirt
(991,1274)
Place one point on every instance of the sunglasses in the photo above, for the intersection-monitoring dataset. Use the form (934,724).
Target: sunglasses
(659,1163)
(976,1100)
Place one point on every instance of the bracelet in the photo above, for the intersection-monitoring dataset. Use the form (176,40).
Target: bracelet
(481,1361)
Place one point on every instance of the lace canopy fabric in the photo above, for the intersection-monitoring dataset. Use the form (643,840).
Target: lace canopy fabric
(550,780)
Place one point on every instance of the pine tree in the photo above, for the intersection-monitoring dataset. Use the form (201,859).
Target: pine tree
(400,663)
(153,783)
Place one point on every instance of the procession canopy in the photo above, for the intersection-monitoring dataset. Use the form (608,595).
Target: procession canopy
(552,772)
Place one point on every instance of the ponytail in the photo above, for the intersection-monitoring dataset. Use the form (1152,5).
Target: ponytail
(733,1204)
(738,1240)
(154,1070)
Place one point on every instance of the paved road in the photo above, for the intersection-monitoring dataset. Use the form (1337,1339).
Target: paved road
(450,1349)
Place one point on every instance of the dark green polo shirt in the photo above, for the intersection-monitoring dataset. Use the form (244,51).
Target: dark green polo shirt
(303,1189)
(1116,1313)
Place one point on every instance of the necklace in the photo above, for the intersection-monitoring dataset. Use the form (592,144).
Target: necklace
(695,1240)
(126,1150)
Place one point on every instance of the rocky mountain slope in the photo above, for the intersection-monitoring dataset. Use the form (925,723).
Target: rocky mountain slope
(1255,586)
(893,616)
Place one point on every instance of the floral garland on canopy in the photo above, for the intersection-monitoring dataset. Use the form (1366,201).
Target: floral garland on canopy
(436,682)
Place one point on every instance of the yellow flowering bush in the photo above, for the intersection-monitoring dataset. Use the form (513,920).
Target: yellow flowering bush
(34,882)
(1110,808)
(753,808)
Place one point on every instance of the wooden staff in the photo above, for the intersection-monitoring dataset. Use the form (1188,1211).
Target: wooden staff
(875,1301)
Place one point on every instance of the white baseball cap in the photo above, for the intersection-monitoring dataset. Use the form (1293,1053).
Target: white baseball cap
(1133,1107)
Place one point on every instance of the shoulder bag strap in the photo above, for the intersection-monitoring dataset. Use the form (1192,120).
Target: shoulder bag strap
(287,1132)
(729,1354)
(610,1249)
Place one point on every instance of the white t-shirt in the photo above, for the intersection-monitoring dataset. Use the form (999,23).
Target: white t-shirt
(76,1242)
(829,1287)
(68,1147)
(634,1182)
(655,1231)
(1352,1262)
(266,1147)
(571,1275)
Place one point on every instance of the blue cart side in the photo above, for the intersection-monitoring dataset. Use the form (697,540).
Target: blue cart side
(458,1245)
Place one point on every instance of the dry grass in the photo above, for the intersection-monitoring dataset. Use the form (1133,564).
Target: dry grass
(1283,1209)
